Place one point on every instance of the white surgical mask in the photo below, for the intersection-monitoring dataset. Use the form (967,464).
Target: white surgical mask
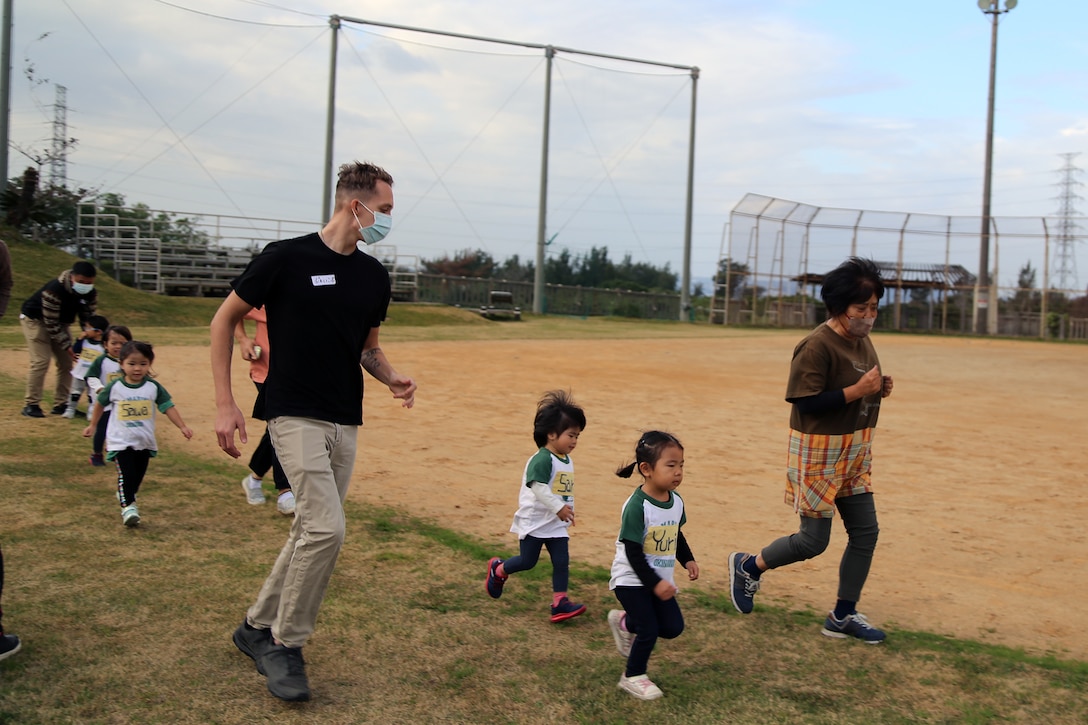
(376,231)
(82,289)
(860,326)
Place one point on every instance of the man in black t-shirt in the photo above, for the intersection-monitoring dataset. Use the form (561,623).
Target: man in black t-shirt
(325,300)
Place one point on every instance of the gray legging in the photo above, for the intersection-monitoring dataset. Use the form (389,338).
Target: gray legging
(859,517)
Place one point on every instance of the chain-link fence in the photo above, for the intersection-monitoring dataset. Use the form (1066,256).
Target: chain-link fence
(775,252)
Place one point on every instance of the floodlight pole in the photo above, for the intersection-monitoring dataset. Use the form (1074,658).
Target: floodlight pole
(330,121)
(542,212)
(685,273)
(5,89)
(983,296)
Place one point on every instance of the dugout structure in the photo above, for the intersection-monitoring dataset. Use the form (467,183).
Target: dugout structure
(775,253)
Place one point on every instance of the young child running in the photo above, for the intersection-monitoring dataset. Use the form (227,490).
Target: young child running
(130,436)
(651,541)
(546,503)
(103,371)
(86,349)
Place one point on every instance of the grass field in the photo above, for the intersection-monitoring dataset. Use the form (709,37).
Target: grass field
(133,626)
(127,625)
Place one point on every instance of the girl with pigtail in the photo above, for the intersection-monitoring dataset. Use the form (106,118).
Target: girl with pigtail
(650,542)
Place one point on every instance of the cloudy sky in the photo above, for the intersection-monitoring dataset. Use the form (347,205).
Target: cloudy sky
(218,107)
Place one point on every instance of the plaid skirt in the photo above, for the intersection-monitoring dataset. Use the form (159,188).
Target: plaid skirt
(822,468)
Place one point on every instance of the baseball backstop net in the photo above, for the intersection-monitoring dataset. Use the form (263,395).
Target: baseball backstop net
(775,253)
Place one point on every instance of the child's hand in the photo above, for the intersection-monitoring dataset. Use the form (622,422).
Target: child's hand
(693,570)
(664,591)
(566,514)
(185,431)
(88,431)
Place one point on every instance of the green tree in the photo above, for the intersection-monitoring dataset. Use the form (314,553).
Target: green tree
(46,213)
(1027,298)
(732,273)
(466,263)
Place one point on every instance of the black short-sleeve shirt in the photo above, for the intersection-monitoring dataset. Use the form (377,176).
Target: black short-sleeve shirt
(321,306)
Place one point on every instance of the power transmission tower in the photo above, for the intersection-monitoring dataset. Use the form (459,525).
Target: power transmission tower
(1065,257)
(58,158)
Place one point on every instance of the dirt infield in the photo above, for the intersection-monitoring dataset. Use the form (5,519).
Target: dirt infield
(980,470)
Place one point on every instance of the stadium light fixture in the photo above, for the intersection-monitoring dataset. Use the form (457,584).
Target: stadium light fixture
(983,295)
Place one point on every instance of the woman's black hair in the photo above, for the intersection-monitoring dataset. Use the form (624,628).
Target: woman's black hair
(555,413)
(649,449)
(144,348)
(851,283)
(120,330)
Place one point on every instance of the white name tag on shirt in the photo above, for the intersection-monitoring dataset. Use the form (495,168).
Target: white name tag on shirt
(323,280)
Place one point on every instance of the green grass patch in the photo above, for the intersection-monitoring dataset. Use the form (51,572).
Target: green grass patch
(127,625)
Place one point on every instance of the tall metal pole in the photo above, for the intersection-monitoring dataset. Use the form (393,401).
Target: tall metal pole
(685,273)
(984,297)
(542,214)
(330,121)
(5,89)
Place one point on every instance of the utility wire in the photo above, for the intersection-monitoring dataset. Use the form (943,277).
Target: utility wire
(151,105)
(226,71)
(274,6)
(363,29)
(223,17)
(479,133)
(415,143)
(608,171)
(221,111)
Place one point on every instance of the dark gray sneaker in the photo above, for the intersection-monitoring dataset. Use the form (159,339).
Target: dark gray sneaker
(742,587)
(9,645)
(252,642)
(286,672)
(33,411)
(852,625)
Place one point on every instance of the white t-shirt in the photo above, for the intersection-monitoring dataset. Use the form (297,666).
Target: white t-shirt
(657,525)
(103,371)
(132,422)
(535,517)
(88,353)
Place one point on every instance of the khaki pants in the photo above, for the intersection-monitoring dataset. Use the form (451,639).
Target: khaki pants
(318,458)
(42,348)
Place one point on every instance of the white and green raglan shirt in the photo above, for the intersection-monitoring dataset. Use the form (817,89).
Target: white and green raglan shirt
(535,517)
(132,423)
(656,524)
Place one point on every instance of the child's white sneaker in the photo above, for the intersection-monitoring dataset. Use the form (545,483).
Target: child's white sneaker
(130,515)
(69,412)
(286,503)
(640,686)
(252,487)
(622,637)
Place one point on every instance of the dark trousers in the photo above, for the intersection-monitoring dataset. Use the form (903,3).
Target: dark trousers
(100,432)
(131,469)
(558,550)
(648,618)
(264,457)
(858,515)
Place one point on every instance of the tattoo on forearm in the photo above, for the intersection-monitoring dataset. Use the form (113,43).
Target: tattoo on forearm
(371,363)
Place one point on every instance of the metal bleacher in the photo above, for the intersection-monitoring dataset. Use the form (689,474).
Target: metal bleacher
(201,255)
